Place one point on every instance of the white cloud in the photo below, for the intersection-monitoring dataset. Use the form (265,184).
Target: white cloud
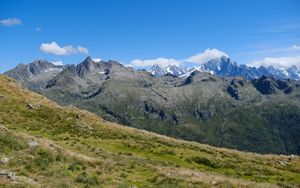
(38,29)
(278,62)
(200,58)
(54,48)
(57,62)
(296,47)
(163,62)
(209,54)
(205,56)
(82,50)
(11,22)
(96,59)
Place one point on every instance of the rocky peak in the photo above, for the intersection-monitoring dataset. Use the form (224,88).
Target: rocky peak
(268,85)
(87,62)
(86,66)
(156,70)
(37,66)
(265,85)
(224,66)
(196,73)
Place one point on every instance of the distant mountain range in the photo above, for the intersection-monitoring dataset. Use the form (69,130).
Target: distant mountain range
(156,70)
(223,66)
(260,115)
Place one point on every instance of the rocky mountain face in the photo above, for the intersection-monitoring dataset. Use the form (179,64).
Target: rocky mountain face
(156,70)
(225,67)
(231,112)
(35,75)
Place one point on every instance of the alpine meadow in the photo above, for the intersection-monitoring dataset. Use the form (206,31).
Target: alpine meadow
(136,94)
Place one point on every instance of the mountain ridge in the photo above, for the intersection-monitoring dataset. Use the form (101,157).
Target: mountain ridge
(46,145)
(36,74)
(201,107)
(223,66)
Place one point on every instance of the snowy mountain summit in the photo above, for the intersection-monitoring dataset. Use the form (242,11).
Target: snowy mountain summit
(157,70)
(223,66)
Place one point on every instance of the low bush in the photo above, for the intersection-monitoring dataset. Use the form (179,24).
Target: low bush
(203,161)
(9,143)
(76,166)
(87,180)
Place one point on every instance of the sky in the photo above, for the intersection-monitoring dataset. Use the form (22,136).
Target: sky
(142,32)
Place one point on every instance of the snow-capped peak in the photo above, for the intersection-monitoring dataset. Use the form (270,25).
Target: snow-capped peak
(223,66)
(156,70)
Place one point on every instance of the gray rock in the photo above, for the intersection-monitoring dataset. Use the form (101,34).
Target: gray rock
(13,177)
(33,143)
(4,160)
(33,106)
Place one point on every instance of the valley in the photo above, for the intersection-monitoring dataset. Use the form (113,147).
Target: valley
(262,112)
(46,145)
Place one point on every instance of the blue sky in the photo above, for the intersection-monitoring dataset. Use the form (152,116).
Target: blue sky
(173,30)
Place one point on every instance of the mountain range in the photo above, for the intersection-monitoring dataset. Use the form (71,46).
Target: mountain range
(259,115)
(35,75)
(45,145)
(223,66)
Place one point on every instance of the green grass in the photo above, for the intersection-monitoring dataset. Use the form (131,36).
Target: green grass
(9,144)
(197,112)
(78,149)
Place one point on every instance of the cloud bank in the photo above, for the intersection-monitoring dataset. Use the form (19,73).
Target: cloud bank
(277,62)
(55,49)
(209,54)
(199,58)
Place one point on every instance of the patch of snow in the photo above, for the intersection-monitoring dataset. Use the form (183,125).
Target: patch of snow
(96,60)
(57,63)
(53,69)
(284,72)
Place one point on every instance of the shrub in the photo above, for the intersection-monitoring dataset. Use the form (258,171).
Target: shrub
(167,152)
(43,158)
(203,161)
(76,166)
(85,179)
(60,157)
(9,143)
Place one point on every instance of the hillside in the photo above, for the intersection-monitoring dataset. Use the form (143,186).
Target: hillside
(261,115)
(45,145)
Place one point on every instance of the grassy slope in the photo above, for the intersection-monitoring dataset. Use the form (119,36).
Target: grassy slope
(79,149)
(202,114)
